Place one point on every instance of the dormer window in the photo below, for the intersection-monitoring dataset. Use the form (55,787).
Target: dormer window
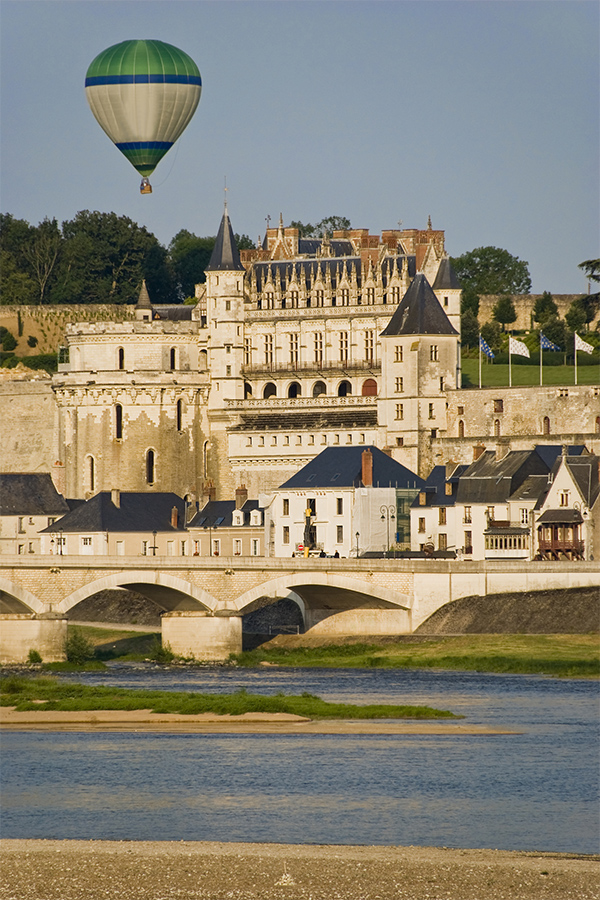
(255,519)
(238,517)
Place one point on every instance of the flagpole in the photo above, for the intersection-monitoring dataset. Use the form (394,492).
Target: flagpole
(479,362)
(575,352)
(509,365)
(541,364)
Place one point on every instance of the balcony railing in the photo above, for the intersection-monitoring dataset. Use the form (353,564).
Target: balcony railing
(317,368)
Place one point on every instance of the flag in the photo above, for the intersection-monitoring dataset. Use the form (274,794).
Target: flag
(581,345)
(518,348)
(485,347)
(546,343)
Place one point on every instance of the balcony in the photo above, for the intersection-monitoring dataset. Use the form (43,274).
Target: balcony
(347,367)
(556,549)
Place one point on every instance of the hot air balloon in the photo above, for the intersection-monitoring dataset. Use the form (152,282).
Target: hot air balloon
(143,95)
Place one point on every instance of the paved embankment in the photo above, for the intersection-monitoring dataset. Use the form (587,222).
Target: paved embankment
(88,870)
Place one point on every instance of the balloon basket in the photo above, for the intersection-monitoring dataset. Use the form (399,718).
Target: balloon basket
(145,187)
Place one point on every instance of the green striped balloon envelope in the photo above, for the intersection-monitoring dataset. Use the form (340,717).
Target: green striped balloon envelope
(143,94)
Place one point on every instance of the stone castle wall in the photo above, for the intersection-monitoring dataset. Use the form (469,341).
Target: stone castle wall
(524,305)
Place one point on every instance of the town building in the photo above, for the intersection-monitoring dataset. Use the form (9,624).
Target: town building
(29,502)
(229,527)
(348,501)
(529,504)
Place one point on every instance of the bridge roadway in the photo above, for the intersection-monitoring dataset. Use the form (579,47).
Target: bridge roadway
(203,599)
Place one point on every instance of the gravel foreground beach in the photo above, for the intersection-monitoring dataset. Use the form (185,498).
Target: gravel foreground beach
(154,870)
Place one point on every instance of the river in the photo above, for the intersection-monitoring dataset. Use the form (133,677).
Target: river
(535,790)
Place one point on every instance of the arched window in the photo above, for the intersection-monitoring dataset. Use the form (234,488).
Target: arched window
(319,389)
(497,428)
(369,388)
(179,414)
(121,360)
(247,390)
(344,389)
(546,425)
(172,358)
(294,390)
(461,428)
(203,361)
(150,467)
(119,422)
(269,390)
(91,473)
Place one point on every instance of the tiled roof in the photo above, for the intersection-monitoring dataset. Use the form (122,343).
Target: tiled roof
(136,512)
(338,467)
(434,487)
(30,494)
(446,279)
(219,514)
(419,312)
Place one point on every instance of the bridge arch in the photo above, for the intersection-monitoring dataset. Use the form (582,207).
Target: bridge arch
(326,591)
(17,599)
(167,591)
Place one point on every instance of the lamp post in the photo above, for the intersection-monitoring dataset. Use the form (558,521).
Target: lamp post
(153,547)
(60,541)
(210,527)
(357,535)
(388,514)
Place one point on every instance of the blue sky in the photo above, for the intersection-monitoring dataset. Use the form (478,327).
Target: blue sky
(483,115)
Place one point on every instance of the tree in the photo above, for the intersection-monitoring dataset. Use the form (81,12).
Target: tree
(591,267)
(504,312)
(325,227)
(105,259)
(42,251)
(577,315)
(17,284)
(545,308)
(556,331)
(492,335)
(189,256)
(491,270)
(8,341)
(469,329)
(244,242)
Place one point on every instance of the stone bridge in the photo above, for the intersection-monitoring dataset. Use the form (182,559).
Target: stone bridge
(203,600)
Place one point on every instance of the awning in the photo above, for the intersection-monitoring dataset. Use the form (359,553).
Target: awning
(560,517)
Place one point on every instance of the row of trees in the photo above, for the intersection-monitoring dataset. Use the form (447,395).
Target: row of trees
(490,270)
(97,258)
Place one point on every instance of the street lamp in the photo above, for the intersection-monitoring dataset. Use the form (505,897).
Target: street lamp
(388,514)
(210,527)
(357,535)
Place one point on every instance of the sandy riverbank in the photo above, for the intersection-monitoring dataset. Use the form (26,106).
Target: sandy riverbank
(207,723)
(89,870)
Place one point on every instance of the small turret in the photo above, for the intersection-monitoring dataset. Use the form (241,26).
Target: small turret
(143,308)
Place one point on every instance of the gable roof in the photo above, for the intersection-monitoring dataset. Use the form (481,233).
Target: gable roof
(137,512)
(337,467)
(30,494)
(419,312)
(434,487)
(225,256)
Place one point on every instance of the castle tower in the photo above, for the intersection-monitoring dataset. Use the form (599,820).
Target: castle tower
(419,350)
(447,289)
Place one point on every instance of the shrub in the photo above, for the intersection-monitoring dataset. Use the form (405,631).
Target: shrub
(161,653)
(77,648)
(32,341)
(34,658)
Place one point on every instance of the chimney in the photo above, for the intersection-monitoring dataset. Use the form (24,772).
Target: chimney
(241,495)
(209,492)
(58,476)
(174,517)
(367,468)
(478,450)
(115,496)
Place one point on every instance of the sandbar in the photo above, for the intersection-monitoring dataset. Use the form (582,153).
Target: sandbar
(208,723)
(186,870)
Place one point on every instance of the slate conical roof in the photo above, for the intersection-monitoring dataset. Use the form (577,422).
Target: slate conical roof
(419,312)
(144,297)
(446,279)
(225,256)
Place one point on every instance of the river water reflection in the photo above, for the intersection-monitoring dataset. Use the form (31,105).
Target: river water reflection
(536,790)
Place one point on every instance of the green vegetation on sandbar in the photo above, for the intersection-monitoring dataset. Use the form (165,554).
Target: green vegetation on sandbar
(564,655)
(28,694)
